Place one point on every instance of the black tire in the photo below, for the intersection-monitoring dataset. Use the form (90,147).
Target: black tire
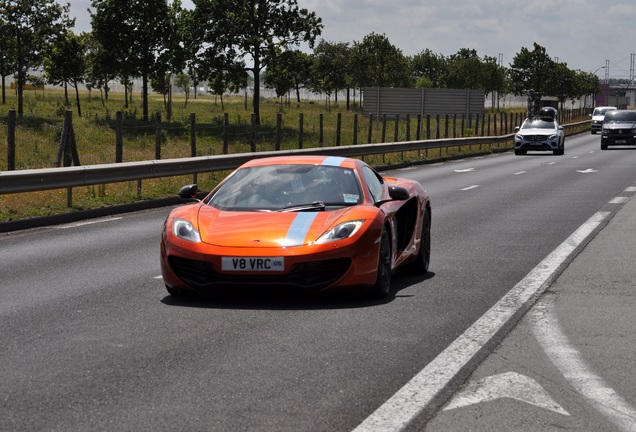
(175,292)
(382,286)
(423,260)
(603,146)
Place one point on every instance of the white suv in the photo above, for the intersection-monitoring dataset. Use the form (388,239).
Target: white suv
(597,117)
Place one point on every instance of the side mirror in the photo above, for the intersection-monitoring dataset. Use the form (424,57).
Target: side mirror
(516,128)
(398,193)
(189,192)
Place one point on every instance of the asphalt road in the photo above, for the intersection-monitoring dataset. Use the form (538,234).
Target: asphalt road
(91,340)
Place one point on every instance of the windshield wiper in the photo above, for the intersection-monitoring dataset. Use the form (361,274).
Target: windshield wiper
(314,206)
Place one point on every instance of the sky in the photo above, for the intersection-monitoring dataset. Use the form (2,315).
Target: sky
(586,35)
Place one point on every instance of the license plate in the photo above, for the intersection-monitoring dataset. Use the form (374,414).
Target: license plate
(621,141)
(253,263)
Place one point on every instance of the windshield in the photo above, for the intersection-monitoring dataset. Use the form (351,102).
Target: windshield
(601,111)
(288,188)
(620,117)
(538,124)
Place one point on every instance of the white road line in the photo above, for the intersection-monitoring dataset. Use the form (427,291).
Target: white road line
(631,189)
(568,360)
(91,222)
(470,187)
(158,277)
(520,172)
(619,200)
(428,388)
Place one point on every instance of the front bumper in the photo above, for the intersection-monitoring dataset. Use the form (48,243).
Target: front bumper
(615,138)
(537,143)
(311,268)
(597,125)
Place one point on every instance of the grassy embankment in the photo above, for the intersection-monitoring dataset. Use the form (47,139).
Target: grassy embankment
(38,139)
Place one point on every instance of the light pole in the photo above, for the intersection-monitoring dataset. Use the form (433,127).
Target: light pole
(594,96)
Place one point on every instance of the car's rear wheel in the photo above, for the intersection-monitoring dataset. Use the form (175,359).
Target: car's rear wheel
(382,286)
(423,260)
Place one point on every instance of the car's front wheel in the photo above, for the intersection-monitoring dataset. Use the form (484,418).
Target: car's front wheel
(382,286)
(175,292)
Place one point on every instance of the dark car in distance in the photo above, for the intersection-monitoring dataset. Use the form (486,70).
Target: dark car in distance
(619,128)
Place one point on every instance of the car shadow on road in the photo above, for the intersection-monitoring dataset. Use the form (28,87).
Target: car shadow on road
(272,299)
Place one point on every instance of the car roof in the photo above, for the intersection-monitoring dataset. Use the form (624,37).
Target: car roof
(627,115)
(304,159)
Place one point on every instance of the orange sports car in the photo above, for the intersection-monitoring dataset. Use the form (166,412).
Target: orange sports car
(303,223)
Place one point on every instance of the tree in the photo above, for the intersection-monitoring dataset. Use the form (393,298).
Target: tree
(289,71)
(465,70)
(184,82)
(7,56)
(529,74)
(330,70)
(563,83)
(430,66)
(65,63)
(494,77)
(229,79)
(134,34)
(101,67)
(30,26)
(375,62)
(257,29)
(586,84)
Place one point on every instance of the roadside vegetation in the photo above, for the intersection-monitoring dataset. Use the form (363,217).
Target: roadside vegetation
(38,140)
(224,48)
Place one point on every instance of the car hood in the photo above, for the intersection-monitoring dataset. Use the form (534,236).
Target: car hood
(264,229)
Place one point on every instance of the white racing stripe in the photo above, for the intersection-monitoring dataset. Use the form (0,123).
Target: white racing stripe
(428,388)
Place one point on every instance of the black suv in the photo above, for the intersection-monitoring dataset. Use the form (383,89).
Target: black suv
(619,128)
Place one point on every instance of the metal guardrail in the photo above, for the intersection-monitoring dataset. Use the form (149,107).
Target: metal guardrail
(69,177)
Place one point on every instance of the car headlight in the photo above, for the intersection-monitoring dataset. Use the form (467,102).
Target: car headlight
(553,136)
(519,136)
(185,230)
(340,232)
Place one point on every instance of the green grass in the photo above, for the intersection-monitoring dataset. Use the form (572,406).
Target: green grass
(38,136)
